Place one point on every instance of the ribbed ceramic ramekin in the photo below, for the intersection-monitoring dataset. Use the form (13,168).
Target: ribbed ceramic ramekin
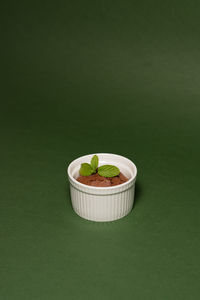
(103,204)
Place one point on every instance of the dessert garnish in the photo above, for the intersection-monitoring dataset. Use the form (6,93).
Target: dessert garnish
(92,168)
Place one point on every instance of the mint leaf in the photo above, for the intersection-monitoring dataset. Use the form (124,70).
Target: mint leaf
(94,163)
(85,169)
(105,170)
(108,171)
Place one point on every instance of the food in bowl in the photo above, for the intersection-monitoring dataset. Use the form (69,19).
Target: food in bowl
(104,176)
(98,203)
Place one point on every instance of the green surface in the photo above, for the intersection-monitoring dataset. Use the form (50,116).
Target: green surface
(99,76)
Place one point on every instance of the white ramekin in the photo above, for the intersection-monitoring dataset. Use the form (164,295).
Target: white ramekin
(103,204)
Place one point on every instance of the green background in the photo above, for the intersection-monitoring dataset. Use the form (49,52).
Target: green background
(80,77)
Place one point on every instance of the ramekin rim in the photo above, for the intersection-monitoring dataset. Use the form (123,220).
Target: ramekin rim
(98,188)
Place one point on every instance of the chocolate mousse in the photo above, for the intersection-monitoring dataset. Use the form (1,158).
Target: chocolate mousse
(101,181)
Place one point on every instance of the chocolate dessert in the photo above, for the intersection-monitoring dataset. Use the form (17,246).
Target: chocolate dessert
(106,175)
(101,181)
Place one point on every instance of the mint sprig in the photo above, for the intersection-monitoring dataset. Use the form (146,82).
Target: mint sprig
(86,169)
(92,168)
(108,171)
(94,163)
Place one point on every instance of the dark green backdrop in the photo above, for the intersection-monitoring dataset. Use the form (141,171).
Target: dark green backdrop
(81,77)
